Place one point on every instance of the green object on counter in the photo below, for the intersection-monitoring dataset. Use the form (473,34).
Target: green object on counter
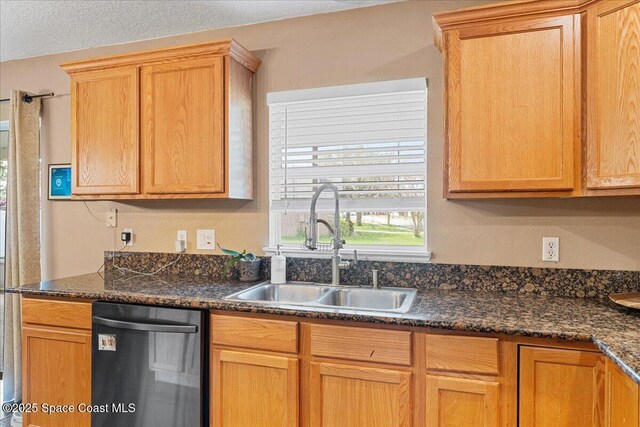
(236,257)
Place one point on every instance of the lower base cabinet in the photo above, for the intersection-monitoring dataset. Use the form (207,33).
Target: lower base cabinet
(561,387)
(261,376)
(60,374)
(461,402)
(250,389)
(56,361)
(621,398)
(343,395)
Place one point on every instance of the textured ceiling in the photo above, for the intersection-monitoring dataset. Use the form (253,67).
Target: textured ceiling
(40,27)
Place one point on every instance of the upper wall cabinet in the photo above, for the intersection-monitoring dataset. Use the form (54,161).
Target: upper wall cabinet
(183,126)
(612,81)
(170,123)
(104,139)
(522,79)
(511,106)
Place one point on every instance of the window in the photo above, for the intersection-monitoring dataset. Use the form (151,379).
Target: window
(367,139)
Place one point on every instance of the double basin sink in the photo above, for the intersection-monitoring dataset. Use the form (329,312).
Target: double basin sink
(396,300)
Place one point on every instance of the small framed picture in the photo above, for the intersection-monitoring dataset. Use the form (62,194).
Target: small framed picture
(60,181)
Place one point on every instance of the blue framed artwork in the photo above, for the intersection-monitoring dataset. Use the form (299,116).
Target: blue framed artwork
(60,181)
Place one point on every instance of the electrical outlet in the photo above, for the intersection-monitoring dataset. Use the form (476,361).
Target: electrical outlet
(129,230)
(112,218)
(206,240)
(551,249)
(181,241)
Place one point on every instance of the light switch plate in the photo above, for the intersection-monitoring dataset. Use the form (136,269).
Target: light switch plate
(206,240)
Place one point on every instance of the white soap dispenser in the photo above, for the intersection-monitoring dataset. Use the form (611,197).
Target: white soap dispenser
(278,267)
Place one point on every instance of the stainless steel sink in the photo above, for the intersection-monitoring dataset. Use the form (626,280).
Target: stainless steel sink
(287,293)
(397,299)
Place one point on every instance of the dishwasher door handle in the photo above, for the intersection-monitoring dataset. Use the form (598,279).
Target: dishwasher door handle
(151,327)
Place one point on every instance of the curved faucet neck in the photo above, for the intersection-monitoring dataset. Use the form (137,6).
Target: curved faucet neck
(322,188)
(337,241)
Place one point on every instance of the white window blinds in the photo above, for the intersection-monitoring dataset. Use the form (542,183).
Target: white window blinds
(369,140)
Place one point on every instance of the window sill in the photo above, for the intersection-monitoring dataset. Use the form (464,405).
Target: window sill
(363,254)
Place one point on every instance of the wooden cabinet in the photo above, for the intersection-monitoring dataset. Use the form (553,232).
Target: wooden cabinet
(170,123)
(321,382)
(345,395)
(468,381)
(561,387)
(56,360)
(104,131)
(183,126)
(621,398)
(461,402)
(282,372)
(511,107)
(443,354)
(254,333)
(542,98)
(612,42)
(253,389)
(254,372)
(361,344)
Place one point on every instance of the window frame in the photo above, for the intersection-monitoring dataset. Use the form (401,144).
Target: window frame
(413,253)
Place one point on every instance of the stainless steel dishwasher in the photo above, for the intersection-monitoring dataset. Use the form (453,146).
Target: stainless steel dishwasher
(148,366)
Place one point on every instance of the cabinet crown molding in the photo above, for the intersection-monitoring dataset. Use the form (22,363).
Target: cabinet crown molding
(487,14)
(222,47)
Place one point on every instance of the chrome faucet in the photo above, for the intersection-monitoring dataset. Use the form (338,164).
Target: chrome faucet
(311,238)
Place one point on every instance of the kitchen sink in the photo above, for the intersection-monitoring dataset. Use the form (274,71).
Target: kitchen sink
(370,299)
(287,293)
(397,300)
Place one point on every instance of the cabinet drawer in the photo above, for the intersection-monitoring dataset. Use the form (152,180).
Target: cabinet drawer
(68,314)
(462,354)
(369,345)
(259,334)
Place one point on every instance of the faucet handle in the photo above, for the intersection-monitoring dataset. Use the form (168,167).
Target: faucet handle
(355,256)
(374,273)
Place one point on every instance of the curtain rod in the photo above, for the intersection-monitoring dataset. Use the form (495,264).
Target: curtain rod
(28,98)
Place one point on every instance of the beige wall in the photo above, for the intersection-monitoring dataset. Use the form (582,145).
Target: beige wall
(380,43)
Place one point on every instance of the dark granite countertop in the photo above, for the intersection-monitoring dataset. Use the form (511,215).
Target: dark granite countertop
(615,330)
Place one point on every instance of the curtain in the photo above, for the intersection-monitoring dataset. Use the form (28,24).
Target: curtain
(23,229)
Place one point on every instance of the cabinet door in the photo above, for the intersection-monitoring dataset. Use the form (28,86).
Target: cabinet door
(104,131)
(461,402)
(613,95)
(355,396)
(563,388)
(183,127)
(57,371)
(621,398)
(249,389)
(511,106)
